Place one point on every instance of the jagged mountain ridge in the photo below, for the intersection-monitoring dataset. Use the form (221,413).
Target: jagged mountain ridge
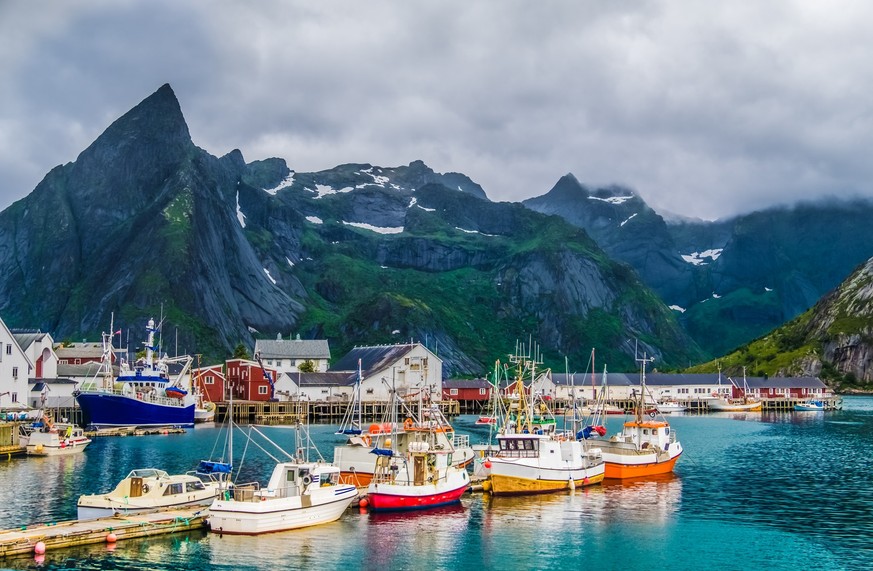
(731,280)
(144,219)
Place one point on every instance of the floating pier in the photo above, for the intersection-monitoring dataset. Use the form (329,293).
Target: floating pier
(49,537)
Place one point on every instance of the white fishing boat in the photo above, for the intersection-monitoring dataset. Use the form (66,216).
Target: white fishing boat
(737,400)
(149,489)
(47,438)
(532,457)
(298,494)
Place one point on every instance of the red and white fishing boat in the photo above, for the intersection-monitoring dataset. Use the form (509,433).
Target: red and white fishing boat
(486,420)
(420,479)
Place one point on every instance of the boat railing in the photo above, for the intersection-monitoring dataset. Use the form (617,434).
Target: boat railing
(246,492)
(507,453)
(151,395)
(461,441)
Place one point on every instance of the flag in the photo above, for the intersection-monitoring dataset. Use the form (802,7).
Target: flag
(117,332)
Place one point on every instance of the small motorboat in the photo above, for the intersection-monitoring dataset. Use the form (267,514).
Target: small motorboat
(811,405)
(669,406)
(148,489)
(47,438)
(486,420)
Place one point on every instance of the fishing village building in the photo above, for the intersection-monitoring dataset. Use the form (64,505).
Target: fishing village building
(248,380)
(286,356)
(15,369)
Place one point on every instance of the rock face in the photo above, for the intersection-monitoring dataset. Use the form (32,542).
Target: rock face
(842,322)
(145,222)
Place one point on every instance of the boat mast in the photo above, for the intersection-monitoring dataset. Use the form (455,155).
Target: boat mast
(642,400)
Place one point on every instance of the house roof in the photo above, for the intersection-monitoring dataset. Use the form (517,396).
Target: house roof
(372,359)
(325,379)
(27,337)
(88,350)
(89,369)
(584,379)
(293,348)
(466,384)
(661,379)
(794,383)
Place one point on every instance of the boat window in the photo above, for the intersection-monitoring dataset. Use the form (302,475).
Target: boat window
(194,486)
(173,489)
(645,431)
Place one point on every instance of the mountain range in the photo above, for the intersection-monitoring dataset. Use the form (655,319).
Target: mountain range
(144,222)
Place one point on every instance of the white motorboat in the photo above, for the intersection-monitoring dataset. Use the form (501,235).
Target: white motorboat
(668,406)
(149,489)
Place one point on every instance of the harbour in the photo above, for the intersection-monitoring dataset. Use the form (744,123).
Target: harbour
(732,499)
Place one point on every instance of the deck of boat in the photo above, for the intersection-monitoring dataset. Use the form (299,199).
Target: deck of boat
(23,540)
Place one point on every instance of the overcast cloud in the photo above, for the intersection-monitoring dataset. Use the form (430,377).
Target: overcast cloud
(704,108)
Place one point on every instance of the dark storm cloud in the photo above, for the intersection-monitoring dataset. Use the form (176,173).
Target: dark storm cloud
(704,109)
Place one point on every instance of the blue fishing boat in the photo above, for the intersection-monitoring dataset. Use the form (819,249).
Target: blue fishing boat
(142,396)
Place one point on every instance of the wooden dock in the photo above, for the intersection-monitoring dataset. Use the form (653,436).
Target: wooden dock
(72,533)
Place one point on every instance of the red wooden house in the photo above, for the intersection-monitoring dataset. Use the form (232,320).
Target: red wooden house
(248,381)
(211,381)
(466,390)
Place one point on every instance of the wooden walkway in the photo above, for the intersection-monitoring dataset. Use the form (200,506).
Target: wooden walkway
(72,533)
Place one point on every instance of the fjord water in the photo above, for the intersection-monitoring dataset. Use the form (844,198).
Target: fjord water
(752,491)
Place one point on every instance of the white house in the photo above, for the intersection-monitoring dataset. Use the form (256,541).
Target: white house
(287,356)
(39,348)
(412,369)
(15,369)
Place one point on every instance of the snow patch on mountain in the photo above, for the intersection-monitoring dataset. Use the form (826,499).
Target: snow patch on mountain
(239,213)
(699,258)
(612,199)
(286,182)
(315,219)
(269,277)
(473,231)
(379,229)
(629,219)
(677,308)
(414,202)
(322,190)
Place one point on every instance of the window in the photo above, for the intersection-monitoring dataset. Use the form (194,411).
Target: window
(14,397)
(453,392)
(14,372)
(324,391)
(482,391)
(262,390)
(208,381)
(9,348)
(173,489)
(194,486)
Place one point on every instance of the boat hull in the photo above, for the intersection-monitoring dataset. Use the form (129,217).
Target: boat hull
(107,410)
(517,479)
(40,449)
(738,407)
(640,468)
(395,497)
(94,512)
(279,514)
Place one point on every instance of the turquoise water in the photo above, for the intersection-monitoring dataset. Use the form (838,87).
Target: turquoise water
(752,491)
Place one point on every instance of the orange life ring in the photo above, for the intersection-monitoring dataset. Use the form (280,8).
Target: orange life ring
(408,424)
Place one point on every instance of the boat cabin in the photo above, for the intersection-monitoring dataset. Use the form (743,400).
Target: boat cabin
(647,434)
(290,479)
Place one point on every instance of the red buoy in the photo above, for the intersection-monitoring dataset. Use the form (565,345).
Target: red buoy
(364,502)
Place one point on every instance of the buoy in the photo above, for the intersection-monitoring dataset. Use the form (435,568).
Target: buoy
(166,431)
(487,464)
(39,548)
(111,538)
(486,486)
(387,443)
(364,502)
(586,481)
(572,484)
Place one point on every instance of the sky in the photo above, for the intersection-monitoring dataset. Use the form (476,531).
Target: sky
(705,109)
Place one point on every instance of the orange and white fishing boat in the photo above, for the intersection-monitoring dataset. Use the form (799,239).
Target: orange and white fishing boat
(644,447)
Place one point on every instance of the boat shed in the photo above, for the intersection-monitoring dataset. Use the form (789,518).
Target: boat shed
(467,389)
(330,387)
(589,387)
